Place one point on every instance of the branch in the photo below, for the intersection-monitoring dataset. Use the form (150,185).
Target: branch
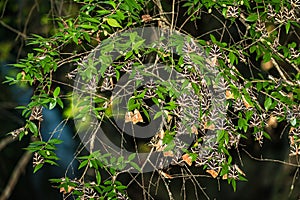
(12,29)
(269,160)
(15,175)
(6,141)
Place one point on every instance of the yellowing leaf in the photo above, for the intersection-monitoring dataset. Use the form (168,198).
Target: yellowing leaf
(229,94)
(113,23)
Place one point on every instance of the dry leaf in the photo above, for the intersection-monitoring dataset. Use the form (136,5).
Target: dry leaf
(291,95)
(225,176)
(210,127)
(213,61)
(292,140)
(159,146)
(229,94)
(187,158)
(239,170)
(270,28)
(161,134)
(212,172)
(23,75)
(168,154)
(266,66)
(169,117)
(194,130)
(165,175)
(70,189)
(272,122)
(146,18)
(128,117)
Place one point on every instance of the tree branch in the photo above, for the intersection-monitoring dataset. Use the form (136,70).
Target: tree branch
(5,141)
(15,175)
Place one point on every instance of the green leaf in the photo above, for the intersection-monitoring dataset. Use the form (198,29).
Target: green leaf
(56,92)
(135,166)
(86,26)
(287,27)
(55,180)
(131,156)
(137,45)
(212,37)
(52,104)
(32,127)
(98,177)
(233,183)
(252,17)
(93,20)
(232,58)
(293,122)
(121,187)
(267,57)
(37,167)
(220,135)
(157,115)
(54,141)
(75,39)
(51,162)
(268,103)
(60,103)
(266,135)
(113,22)
(242,178)
(83,163)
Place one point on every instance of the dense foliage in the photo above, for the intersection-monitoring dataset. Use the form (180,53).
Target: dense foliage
(251,48)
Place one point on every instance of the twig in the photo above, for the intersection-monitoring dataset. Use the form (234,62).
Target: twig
(12,29)
(6,141)
(15,175)
(270,160)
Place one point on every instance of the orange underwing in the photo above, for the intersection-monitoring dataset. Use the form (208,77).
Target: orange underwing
(225,176)
(168,154)
(133,117)
(212,172)
(146,18)
(187,159)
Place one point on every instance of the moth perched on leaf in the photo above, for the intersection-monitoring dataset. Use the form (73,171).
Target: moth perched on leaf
(133,117)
